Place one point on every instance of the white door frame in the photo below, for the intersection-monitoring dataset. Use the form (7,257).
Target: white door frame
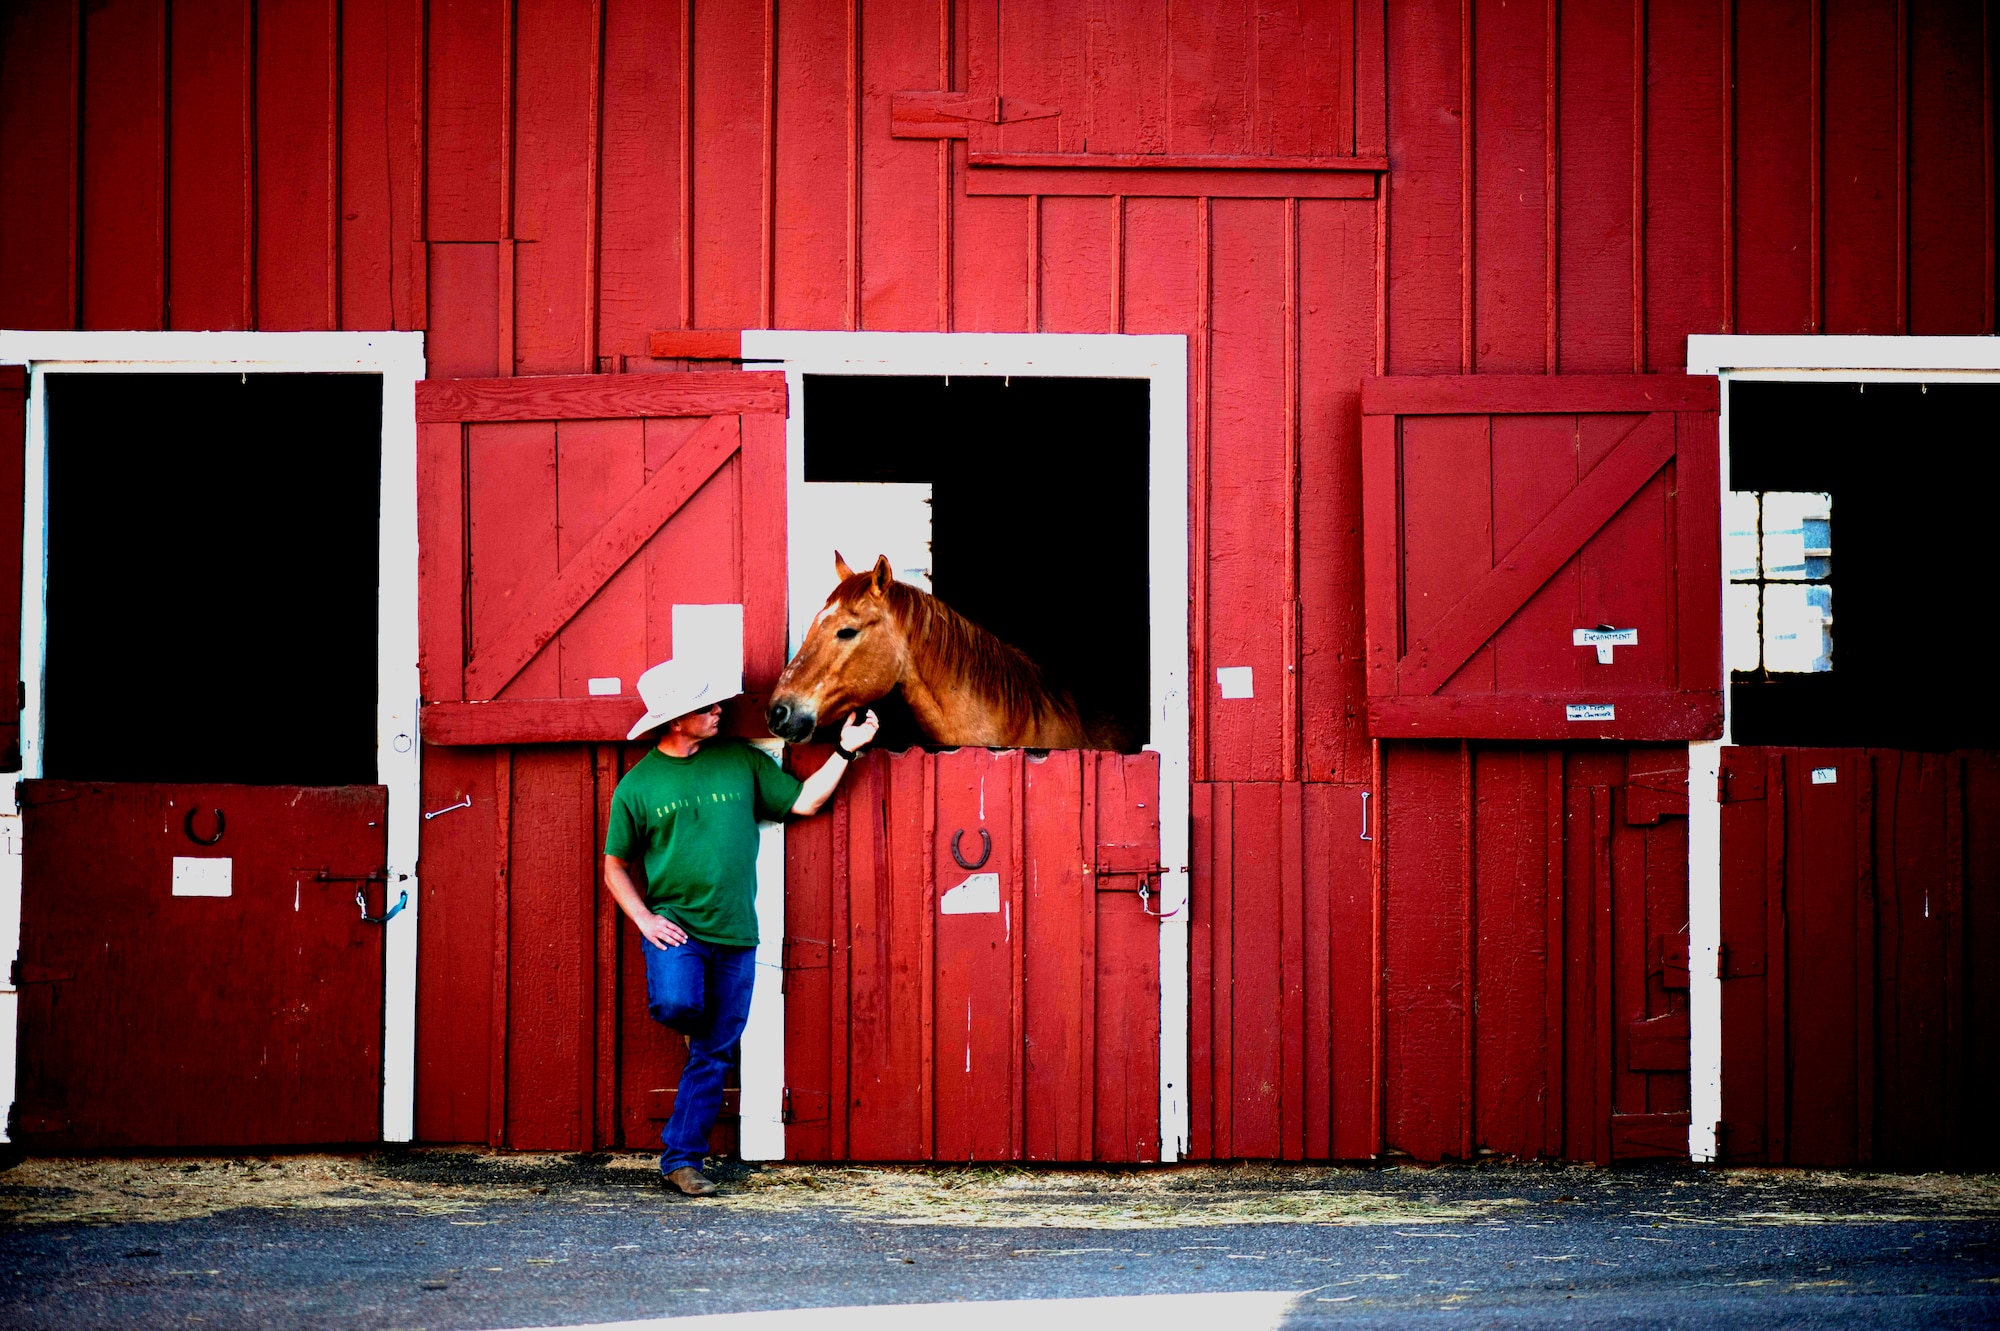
(1161,359)
(399,359)
(1799,359)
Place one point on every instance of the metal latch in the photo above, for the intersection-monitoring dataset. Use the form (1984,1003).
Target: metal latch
(361,892)
(1147,876)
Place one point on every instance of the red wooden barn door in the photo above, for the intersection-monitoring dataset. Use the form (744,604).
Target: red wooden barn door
(1859,923)
(244,1010)
(564,518)
(1542,557)
(972,971)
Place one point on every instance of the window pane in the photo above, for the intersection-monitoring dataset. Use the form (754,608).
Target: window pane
(1786,515)
(1739,537)
(1798,628)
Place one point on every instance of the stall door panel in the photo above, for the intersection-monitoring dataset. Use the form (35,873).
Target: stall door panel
(196,971)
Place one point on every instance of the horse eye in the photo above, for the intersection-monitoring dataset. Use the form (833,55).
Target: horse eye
(845,634)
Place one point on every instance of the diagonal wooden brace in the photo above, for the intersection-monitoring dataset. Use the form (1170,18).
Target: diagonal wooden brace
(620,538)
(1538,556)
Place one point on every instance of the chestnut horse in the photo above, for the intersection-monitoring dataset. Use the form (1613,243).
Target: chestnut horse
(963,685)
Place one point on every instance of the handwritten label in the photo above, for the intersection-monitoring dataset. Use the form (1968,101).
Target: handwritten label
(1605,637)
(1590,711)
(1825,776)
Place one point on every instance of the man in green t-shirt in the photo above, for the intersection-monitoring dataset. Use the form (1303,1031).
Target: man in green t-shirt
(685,817)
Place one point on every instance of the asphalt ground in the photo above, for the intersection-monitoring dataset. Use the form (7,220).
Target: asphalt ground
(444,1240)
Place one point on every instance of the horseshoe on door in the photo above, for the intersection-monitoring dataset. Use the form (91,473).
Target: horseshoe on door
(985,849)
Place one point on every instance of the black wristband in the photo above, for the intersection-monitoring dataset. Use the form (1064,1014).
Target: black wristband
(841,749)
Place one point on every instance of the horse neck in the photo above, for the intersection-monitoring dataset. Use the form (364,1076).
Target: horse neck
(942,673)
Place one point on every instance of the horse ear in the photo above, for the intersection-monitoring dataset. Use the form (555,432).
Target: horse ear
(883,575)
(840,567)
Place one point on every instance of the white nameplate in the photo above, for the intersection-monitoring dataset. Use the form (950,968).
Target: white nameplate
(1235,681)
(606,686)
(1590,711)
(1825,776)
(205,876)
(977,895)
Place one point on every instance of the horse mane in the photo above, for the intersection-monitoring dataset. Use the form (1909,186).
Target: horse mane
(944,642)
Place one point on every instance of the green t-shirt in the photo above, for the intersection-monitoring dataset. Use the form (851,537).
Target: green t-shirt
(690,824)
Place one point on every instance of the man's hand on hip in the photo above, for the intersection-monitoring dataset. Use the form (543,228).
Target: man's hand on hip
(662,932)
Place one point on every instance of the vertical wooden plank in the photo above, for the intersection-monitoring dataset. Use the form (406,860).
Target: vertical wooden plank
(1555,955)
(1510,208)
(1535,464)
(1949,186)
(1222,945)
(1697,506)
(641,268)
(501,963)
(1059,919)
(378,161)
(13,483)
(466,109)
(1866,1006)
(1425,1008)
(1776,118)
(441,561)
(462,340)
(40,70)
(123,227)
(511,535)
(295,265)
(1125,1044)
(763,525)
(1255,924)
(457,984)
(810,258)
(1821,870)
(1247,491)
(1204,991)
(549,939)
(1511,941)
(1687,74)
(1863,167)
(554,146)
(840,1007)
(699,557)
(898,177)
(209,128)
(1446,470)
(1338,881)
(609,920)
(1425,226)
(1779,775)
(1597,132)
(1079,265)
(1294,1074)
(808,954)
(1604,992)
(1382,540)
(1336,347)
(887,1098)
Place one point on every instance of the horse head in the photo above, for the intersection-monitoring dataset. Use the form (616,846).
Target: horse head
(853,654)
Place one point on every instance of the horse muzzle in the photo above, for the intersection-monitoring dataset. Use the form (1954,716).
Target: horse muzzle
(791,723)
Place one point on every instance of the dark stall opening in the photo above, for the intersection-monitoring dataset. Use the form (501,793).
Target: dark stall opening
(1038,515)
(212,571)
(1856,535)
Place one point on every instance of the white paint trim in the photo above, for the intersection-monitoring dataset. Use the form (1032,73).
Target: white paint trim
(399,359)
(1723,353)
(1796,359)
(1161,359)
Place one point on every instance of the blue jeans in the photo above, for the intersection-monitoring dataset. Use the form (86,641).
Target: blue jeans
(701,990)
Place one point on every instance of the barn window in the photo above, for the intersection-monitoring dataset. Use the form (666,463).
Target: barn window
(1021,502)
(1778,552)
(1904,473)
(212,564)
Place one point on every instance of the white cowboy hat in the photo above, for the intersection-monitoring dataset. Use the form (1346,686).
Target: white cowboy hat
(674,688)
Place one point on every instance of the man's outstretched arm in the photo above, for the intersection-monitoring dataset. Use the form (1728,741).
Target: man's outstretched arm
(856,732)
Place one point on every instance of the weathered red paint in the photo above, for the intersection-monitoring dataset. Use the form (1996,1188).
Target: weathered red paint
(1570,190)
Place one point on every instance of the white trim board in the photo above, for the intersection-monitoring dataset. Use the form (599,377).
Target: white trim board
(399,359)
(1162,360)
(1843,359)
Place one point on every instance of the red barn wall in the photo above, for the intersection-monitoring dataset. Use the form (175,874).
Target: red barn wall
(1572,188)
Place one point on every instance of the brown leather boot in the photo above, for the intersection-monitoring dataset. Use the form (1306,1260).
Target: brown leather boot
(691,1181)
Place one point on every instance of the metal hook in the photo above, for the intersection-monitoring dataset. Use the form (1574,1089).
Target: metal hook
(985,849)
(361,900)
(1145,896)
(465,803)
(1364,817)
(187,825)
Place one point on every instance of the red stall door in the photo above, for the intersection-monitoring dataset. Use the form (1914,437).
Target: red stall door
(972,961)
(1860,932)
(194,969)
(1542,557)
